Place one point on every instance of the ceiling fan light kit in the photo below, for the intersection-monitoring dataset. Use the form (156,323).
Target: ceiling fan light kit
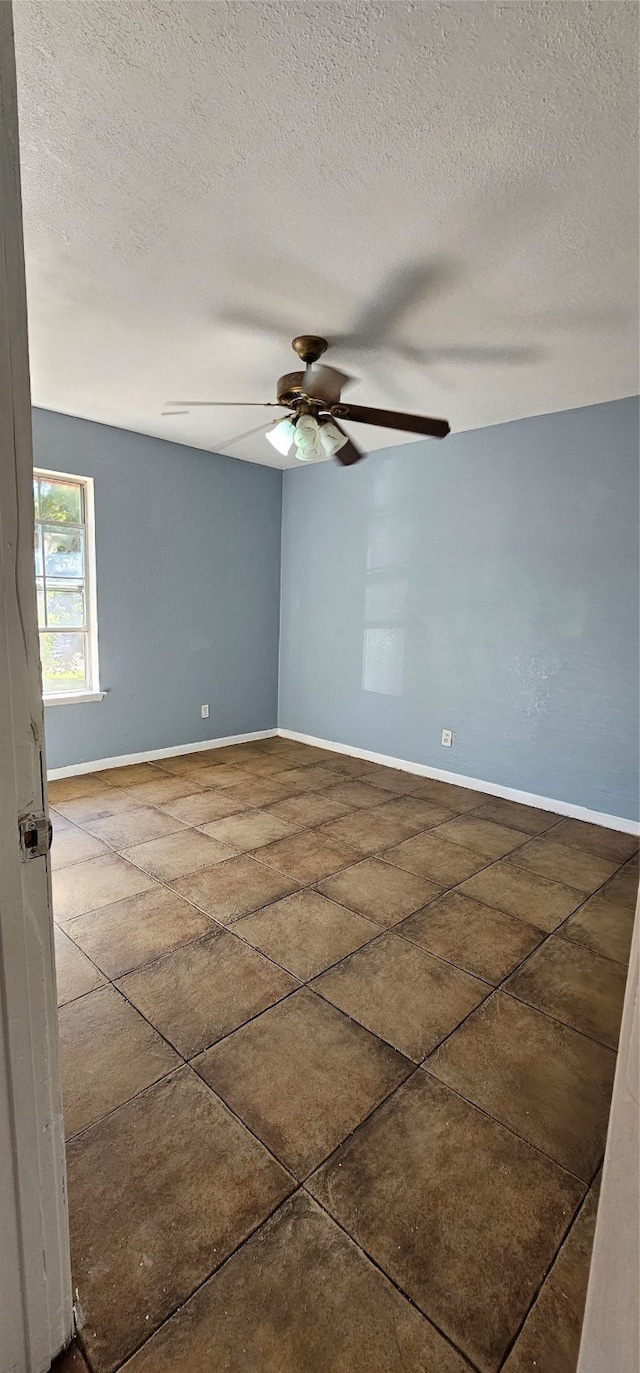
(314,401)
(281,437)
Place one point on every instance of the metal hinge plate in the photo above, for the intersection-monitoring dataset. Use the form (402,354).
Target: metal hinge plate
(36,833)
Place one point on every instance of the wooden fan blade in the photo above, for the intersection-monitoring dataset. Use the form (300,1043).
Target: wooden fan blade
(394,419)
(324,383)
(350,453)
(259,429)
(236,403)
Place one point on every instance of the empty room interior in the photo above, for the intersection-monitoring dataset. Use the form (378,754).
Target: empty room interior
(340,701)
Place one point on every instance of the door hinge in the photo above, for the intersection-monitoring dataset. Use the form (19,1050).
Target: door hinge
(36,834)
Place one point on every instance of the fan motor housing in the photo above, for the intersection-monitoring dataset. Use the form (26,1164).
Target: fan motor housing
(290,388)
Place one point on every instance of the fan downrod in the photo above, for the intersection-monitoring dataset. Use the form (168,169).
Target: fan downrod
(309,347)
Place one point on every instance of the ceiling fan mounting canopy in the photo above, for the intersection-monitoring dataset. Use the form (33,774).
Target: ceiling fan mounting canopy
(309,347)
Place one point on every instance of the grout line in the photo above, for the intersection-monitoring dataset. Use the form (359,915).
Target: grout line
(387,1276)
(380,931)
(547,1274)
(483,1110)
(214,1273)
(556,1020)
(361,858)
(164,1078)
(99,1120)
(412,1068)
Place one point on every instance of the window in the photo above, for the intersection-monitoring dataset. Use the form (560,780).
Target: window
(65,582)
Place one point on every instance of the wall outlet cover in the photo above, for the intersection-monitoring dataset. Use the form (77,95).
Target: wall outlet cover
(446,738)
(204,711)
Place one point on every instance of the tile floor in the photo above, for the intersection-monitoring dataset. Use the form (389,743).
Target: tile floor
(338,1045)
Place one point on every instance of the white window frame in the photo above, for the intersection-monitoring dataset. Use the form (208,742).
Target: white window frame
(92,692)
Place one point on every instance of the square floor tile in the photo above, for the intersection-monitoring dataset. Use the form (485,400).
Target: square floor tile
(351,767)
(301,779)
(454,798)
(307,856)
(305,754)
(134,1261)
(358,795)
(107,801)
(370,831)
(258,791)
(624,886)
(309,809)
(204,990)
(233,753)
(235,887)
(302,1076)
(176,855)
(575,986)
(545,1081)
(574,867)
(131,775)
(459,1212)
(251,829)
(392,779)
(515,815)
(609,844)
(603,925)
(268,764)
(305,932)
(378,890)
(483,941)
(164,788)
(428,855)
(523,894)
(221,776)
(108,1053)
(185,763)
(481,836)
(134,827)
(98,882)
(316,1304)
(401,993)
(72,788)
(201,809)
(550,1338)
(75,973)
(71,845)
(59,822)
(133,932)
(417,815)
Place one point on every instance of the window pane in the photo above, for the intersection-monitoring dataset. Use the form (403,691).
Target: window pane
(65,606)
(64,662)
(40,594)
(36,504)
(61,501)
(38,550)
(64,552)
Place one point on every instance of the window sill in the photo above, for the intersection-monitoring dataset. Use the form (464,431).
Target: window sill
(74,698)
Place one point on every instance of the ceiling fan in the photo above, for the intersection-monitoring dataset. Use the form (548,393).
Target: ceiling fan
(314,405)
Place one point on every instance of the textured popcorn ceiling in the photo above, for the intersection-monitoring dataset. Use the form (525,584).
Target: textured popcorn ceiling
(183,163)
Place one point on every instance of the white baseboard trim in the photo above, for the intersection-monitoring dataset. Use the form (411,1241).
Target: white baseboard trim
(527,798)
(152,755)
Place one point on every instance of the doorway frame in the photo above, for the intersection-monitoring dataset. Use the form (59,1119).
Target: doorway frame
(35,1271)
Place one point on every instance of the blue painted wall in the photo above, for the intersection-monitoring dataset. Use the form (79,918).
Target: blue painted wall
(188,576)
(488,584)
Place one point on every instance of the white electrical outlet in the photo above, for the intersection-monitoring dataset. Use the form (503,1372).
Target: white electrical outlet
(446,738)
(204,711)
